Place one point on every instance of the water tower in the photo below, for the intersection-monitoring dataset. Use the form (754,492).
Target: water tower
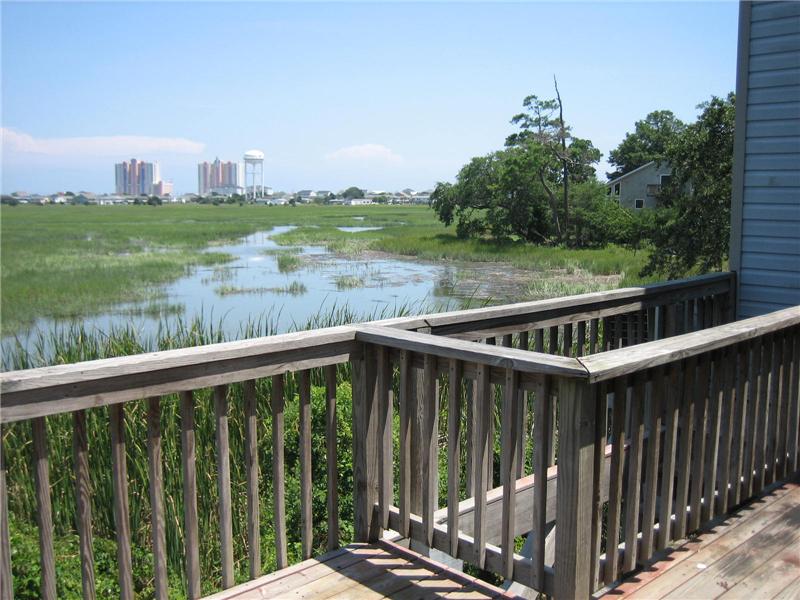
(254,174)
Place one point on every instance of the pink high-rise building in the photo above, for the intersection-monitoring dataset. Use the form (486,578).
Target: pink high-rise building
(136,177)
(218,174)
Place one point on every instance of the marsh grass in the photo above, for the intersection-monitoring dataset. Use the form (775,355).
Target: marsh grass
(296,288)
(288,263)
(349,282)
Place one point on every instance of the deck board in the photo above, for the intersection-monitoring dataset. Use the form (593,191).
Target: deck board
(365,571)
(754,553)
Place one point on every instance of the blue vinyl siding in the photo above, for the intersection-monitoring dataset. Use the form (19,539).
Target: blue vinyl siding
(769,273)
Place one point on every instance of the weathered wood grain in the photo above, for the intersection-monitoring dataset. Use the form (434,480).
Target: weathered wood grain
(453,451)
(483,410)
(252,475)
(635,460)
(190,517)
(83,499)
(277,405)
(575,482)
(430,400)
(406,414)
(651,354)
(366,439)
(155,475)
(672,395)
(224,484)
(509,437)
(385,450)
(119,471)
(618,435)
(685,447)
(332,501)
(306,522)
(44,511)
(652,460)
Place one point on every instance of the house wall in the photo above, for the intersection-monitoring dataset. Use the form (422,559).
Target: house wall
(765,220)
(634,185)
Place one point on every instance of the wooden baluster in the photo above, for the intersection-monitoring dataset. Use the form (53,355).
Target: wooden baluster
(455,373)
(489,480)
(508,341)
(469,436)
(430,482)
(651,469)
(121,513)
(630,329)
(727,411)
(366,442)
(406,414)
(542,426)
(190,519)
(670,321)
(608,336)
(619,331)
(385,450)
(754,367)
(524,340)
(672,406)
(701,420)
(764,393)
(581,338)
(522,427)
(44,512)
(738,432)
(618,435)
(634,472)
(593,330)
(306,522)
(6,580)
(252,471)
(553,340)
(774,411)
(483,411)
(278,404)
(509,436)
(155,474)
(539,340)
(83,497)
(685,447)
(793,425)
(224,484)
(331,457)
(783,405)
(574,499)
(601,428)
(567,345)
(712,453)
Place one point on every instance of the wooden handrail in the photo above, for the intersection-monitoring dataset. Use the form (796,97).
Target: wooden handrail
(493,356)
(622,361)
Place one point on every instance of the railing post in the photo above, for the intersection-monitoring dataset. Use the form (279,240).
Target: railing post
(366,439)
(575,483)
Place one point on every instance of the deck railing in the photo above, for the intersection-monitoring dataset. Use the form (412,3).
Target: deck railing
(504,412)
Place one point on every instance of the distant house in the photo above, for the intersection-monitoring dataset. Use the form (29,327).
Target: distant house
(306,195)
(422,197)
(358,202)
(639,188)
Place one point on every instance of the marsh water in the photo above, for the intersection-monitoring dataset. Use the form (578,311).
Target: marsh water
(286,287)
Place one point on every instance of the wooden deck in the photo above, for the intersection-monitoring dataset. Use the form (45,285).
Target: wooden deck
(753,553)
(369,571)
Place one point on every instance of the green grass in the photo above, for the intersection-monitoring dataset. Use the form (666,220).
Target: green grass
(287,263)
(296,288)
(349,282)
(70,261)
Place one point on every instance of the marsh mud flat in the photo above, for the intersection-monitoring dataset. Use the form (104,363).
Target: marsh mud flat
(279,288)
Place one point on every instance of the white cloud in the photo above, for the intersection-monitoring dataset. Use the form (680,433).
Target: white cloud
(96,146)
(365,152)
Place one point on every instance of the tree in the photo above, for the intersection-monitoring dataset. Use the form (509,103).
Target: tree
(648,142)
(692,223)
(562,159)
(352,192)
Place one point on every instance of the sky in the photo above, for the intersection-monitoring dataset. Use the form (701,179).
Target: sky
(382,96)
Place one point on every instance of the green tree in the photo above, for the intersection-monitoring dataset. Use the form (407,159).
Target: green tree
(352,192)
(649,141)
(692,224)
(562,159)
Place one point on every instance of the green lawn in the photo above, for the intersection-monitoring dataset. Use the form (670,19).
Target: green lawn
(71,261)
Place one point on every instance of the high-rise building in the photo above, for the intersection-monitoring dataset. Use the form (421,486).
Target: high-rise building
(218,174)
(136,177)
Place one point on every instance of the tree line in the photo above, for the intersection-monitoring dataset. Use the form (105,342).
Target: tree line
(542,187)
